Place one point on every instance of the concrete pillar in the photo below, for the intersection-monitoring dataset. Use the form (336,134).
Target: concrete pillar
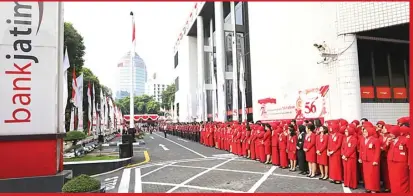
(220,60)
(201,60)
(348,78)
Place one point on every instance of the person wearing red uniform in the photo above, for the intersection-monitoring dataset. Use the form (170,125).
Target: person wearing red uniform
(252,141)
(321,151)
(370,157)
(292,147)
(275,155)
(260,143)
(334,154)
(310,150)
(398,161)
(350,159)
(242,140)
(257,142)
(384,171)
(282,148)
(238,140)
(248,141)
(267,143)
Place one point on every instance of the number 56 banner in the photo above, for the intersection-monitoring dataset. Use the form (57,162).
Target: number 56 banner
(306,104)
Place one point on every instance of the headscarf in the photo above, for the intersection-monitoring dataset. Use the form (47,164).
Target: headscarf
(395,130)
(404,130)
(356,122)
(351,130)
(380,123)
(371,131)
(342,129)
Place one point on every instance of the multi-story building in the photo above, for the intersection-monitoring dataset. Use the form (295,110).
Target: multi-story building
(124,77)
(301,60)
(155,87)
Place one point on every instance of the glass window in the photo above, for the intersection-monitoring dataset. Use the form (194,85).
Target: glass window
(239,20)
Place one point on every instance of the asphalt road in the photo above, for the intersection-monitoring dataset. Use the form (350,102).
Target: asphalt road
(178,166)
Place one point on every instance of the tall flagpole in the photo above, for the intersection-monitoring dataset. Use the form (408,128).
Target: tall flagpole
(131,94)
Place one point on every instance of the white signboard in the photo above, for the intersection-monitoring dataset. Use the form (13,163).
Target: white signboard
(29,62)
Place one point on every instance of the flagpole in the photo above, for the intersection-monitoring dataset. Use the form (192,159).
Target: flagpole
(131,94)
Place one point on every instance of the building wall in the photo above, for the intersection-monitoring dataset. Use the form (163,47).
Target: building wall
(284,60)
(356,16)
(186,70)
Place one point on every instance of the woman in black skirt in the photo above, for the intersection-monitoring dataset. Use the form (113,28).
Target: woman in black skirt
(302,163)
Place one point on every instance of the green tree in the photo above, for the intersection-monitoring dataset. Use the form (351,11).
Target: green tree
(73,42)
(168,96)
(142,105)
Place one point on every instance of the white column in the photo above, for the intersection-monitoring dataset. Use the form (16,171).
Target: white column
(234,65)
(348,78)
(220,60)
(201,60)
(211,63)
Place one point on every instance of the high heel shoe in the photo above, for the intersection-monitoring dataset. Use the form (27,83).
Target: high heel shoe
(321,177)
(325,178)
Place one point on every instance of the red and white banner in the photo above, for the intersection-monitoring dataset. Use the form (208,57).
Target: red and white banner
(306,104)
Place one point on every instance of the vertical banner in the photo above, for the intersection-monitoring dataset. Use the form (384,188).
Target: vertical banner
(30,58)
(80,102)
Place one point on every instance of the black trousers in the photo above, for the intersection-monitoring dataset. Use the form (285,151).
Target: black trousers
(302,163)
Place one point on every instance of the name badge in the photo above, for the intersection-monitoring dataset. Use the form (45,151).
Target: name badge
(309,139)
(292,141)
(401,147)
(334,139)
(281,139)
(349,145)
(370,145)
(403,153)
(258,132)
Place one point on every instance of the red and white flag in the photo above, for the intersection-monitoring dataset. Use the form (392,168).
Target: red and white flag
(89,113)
(74,88)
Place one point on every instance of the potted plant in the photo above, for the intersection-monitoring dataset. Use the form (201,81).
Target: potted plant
(83,184)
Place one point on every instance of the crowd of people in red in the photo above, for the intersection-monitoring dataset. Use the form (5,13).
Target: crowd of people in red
(341,152)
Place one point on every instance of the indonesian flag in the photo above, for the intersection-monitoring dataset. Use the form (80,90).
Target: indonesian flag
(133,32)
(94,114)
(89,114)
(66,66)
(242,89)
(79,98)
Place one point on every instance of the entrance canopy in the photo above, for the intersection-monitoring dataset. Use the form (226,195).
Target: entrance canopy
(142,117)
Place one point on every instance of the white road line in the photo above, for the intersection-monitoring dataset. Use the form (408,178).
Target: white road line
(346,189)
(138,181)
(260,181)
(163,147)
(152,138)
(157,169)
(291,176)
(182,139)
(201,155)
(124,181)
(196,176)
(194,187)
(218,169)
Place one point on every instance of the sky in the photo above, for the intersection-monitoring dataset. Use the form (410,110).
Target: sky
(106,28)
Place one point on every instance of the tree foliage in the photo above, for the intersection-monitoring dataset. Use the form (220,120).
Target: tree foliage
(144,104)
(168,96)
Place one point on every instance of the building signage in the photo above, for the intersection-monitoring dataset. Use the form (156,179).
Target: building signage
(29,34)
(306,104)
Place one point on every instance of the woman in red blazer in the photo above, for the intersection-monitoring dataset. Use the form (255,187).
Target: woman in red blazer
(292,147)
(275,155)
(260,143)
(370,157)
(334,154)
(247,141)
(321,151)
(398,161)
(282,148)
(310,150)
(384,171)
(267,143)
(350,157)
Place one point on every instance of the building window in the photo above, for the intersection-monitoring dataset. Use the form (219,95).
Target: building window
(176,60)
(176,84)
(383,69)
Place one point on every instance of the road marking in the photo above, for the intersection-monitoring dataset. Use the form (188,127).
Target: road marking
(163,146)
(152,137)
(181,139)
(124,181)
(201,155)
(119,143)
(147,159)
(225,155)
(261,180)
(193,187)
(157,169)
(138,181)
(346,189)
(110,183)
(196,176)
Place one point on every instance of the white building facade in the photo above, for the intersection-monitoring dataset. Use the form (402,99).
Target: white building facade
(302,60)
(124,76)
(155,87)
